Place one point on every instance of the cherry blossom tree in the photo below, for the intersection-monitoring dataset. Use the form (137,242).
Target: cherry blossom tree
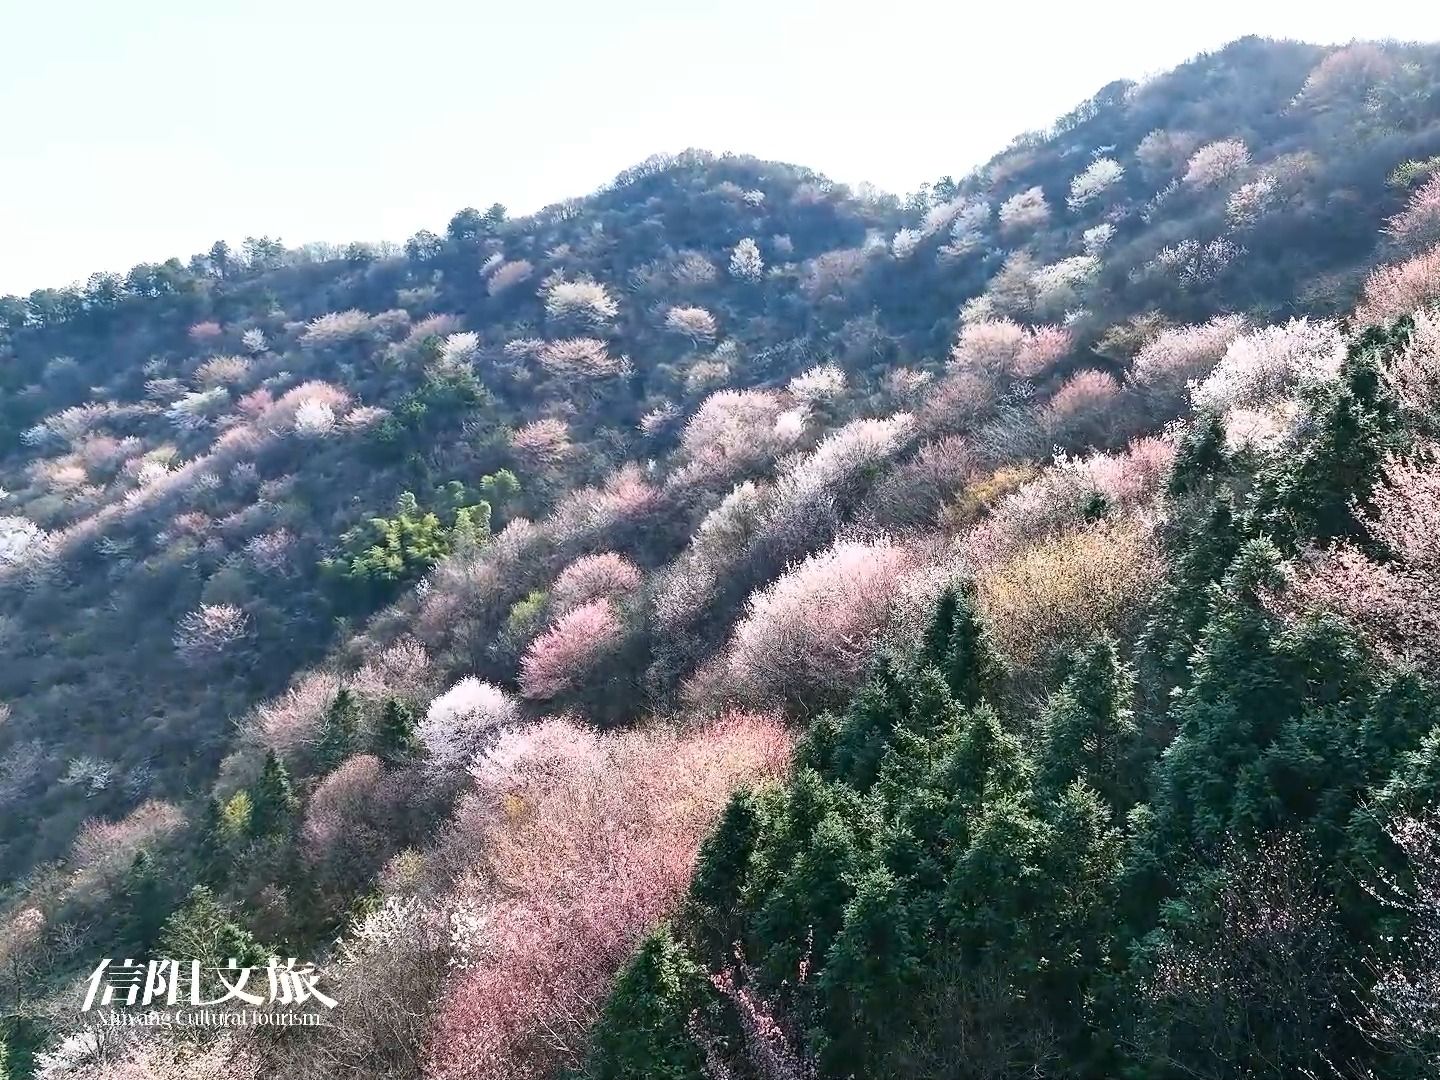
(1263,366)
(463,721)
(814,630)
(594,577)
(745,261)
(290,722)
(1250,202)
(736,430)
(460,349)
(570,650)
(695,323)
(581,358)
(210,630)
(1395,603)
(1214,163)
(1177,355)
(1097,178)
(818,385)
(1027,210)
(1419,223)
(584,300)
(1002,347)
(509,274)
(314,419)
(544,442)
(586,843)
(905,243)
(1401,289)
(336,328)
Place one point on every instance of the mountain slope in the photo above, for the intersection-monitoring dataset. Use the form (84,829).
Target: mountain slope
(702,441)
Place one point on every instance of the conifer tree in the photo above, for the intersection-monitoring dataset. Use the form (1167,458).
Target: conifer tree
(1200,459)
(721,868)
(1088,728)
(1313,494)
(395,739)
(339,732)
(213,855)
(643,1030)
(273,798)
(146,902)
(969,666)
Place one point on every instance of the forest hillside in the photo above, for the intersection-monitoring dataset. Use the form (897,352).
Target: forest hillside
(733,625)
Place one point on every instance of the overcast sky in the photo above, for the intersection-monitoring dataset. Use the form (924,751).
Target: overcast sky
(140,129)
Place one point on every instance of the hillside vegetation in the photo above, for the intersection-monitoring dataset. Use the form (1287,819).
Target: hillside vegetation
(731,625)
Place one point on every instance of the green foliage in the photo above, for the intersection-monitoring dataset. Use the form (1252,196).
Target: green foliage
(274,801)
(642,1033)
(389,551)
(395,741)
(235,817)
(145,900)
(1088,731)
(339,732)
(1314,494)
(201,929)
(947,878)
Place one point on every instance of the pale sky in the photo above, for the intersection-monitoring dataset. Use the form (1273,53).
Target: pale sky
(135,130)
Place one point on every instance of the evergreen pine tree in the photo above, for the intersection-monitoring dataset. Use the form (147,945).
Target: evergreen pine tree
(642,1034)
(1200,459)
(146,901)
(969,666)
(395,739)
(935,647)
(339,732)
(1312,494)
(273,799)
(1088,730)
(212,855)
